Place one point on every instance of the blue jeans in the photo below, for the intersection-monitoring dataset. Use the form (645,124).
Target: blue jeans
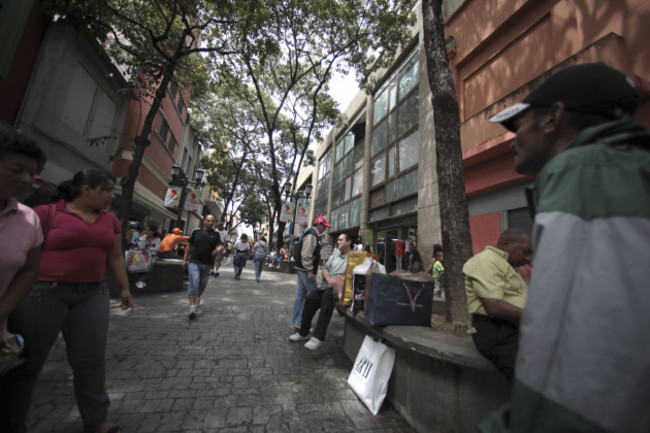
(305,287)
(239,258)
(80,312)
(198,278)
(259,262)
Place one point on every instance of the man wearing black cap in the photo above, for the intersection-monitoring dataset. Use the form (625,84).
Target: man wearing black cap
(583,362)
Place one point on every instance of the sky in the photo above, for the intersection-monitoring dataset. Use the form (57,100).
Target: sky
(343,89)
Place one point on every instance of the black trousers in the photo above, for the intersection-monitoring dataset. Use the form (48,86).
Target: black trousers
(498,341)
(317,299)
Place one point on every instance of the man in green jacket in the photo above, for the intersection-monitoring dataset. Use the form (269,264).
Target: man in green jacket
(584,354)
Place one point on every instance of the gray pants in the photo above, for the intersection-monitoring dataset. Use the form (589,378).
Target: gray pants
(80,312)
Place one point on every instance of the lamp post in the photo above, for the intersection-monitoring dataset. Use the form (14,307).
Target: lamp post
(291,195)
(180,179)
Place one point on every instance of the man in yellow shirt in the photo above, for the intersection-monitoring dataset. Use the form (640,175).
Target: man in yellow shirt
(496,295)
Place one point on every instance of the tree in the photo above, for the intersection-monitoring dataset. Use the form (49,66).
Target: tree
(154,42)
(454,215)
(288,60)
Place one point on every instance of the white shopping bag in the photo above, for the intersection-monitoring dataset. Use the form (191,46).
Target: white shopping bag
(371,372)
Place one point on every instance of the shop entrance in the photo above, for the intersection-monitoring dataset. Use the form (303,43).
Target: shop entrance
(386,242)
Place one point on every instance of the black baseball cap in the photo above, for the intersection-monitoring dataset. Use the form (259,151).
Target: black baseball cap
(592,88)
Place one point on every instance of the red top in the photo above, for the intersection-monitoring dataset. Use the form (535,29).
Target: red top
(75,251)
(399,248)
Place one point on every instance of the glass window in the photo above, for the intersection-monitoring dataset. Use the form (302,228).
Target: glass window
(344,216)
(323,186)
(377,214)
(334,219)
(355,212)
(349,142)
(408,113)
(390,191)
(325,165)
(343,168)
(393,94)
(409,77)
(391,162)
(172,144)
(358,155)
(379,139)
(409,151)
(392,126)
(408,205)
(340,146)
(407,184)
(347,186)
(164,129)
(381,106)
(378,170)
(180,105)
(357,183)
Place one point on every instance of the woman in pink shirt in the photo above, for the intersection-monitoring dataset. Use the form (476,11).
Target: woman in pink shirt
(82,239)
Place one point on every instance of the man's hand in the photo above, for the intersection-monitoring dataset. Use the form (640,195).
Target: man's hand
(311,276)
(184,264)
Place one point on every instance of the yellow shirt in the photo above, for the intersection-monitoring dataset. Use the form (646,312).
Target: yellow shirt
(489,275)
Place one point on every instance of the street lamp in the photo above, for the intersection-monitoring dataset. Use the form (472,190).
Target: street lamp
(180,179)
(295,195)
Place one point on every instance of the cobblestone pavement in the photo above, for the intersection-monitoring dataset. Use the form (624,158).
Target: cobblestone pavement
(231,369)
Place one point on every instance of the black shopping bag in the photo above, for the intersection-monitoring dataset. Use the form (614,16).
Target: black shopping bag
(393,300)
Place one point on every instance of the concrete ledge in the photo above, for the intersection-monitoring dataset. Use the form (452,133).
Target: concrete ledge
(167,275)
(285,266)
(440,382)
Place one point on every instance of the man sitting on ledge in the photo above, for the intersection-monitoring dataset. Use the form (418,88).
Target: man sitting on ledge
(496,294)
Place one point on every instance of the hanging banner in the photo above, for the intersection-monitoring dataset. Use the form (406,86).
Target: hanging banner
(302,214)
(192,200)
(173,197)
(286,214)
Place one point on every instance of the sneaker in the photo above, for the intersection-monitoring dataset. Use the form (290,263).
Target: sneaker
(313,343)
(192,314)
(298,337)
(258,281)
(140,284)
(216,273)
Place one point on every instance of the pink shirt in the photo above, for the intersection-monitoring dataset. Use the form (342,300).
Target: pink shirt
(75,251)
(20,232)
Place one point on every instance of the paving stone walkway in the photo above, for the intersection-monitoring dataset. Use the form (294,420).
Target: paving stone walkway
(231,369)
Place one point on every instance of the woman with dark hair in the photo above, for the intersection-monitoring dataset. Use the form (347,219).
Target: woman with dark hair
(71,296)
(20,160)
(241,251)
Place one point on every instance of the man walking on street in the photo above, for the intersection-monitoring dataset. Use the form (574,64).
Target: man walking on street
(204,245)
(496,294)
(307,260)
(322,297)
(584,356)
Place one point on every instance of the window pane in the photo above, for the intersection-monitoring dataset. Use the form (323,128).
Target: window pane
(323,186)
(347,185)
(357,183)
(344,216)
(390,191)
(379,139)
(393,94)
(381,106)
(409,151)
(409,76)
(408,114)
(392,126)
(408,205)
(340,146)
(355,212)
(349,142)
(334,219)
(407,184)
(325,165)
(377,214)
(391,162)
(378,170)
(358,155)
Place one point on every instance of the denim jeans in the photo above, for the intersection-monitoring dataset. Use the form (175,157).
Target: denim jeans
(305,286)
(198,278)
(259,262)
(237,258)
(80,311)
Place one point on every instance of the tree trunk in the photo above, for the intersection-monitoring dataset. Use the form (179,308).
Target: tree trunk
(454,215)
(141,143)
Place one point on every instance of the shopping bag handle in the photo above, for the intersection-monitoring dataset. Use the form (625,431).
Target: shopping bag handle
(412,298)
